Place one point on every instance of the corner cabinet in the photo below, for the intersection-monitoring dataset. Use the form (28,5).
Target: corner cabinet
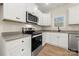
(14,11)
(44,19)
(18,47)
(74,15)
(57,39)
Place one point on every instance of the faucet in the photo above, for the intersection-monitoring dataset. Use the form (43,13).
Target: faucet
(59,29)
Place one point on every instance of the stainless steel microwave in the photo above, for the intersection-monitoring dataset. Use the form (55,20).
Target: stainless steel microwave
(31,18)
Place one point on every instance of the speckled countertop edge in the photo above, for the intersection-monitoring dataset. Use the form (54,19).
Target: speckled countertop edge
(62,31)
(9,36)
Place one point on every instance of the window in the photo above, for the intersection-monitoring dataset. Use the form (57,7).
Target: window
(59,21)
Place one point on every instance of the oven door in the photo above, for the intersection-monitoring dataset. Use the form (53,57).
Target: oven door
(36,42)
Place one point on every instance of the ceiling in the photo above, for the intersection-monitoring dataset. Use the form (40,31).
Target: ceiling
(46,7)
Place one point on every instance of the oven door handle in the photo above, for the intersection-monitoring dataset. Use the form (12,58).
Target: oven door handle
(36,35)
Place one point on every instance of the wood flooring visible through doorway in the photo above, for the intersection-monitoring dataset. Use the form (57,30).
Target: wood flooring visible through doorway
(51,50)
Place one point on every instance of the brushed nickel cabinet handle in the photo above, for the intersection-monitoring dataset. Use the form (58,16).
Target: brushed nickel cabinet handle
(17,18)
(22,41)
(22,49)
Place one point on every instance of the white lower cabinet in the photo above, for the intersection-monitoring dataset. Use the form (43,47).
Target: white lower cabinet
(58,39)
(18,47)
(63,40)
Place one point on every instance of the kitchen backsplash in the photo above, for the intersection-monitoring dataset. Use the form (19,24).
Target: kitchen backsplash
(6,26)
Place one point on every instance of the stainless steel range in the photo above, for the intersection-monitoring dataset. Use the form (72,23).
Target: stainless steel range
(36,41)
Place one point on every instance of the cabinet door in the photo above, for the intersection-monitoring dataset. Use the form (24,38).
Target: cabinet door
(9,10)
(45,38)
(31,7)
(62,40)
(73,15)
(14,11)
(45,19)
(40,16)
(41,19)
(27,46)
(19,47)
(21,12)
(50,38)
(12,48)
(57,39)
(54,39)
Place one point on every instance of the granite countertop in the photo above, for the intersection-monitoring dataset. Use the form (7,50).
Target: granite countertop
(62,31)
(8,36)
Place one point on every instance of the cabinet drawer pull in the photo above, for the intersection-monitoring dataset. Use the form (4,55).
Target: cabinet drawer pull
(22,41)
(22,49)
(17,18)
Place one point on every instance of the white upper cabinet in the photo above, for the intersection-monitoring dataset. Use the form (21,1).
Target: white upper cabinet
(31,7)
(9,11)
(17,12)
(44,19)
(14,11)
(21,12)
(74,15)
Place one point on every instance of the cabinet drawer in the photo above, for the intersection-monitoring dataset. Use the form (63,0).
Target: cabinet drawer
(26,51)
(17,50)
(11,44)
(16,42)
(19,47)
(22,41)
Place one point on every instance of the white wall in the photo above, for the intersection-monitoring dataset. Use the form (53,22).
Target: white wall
(1,13)
(0,27)
(62,11)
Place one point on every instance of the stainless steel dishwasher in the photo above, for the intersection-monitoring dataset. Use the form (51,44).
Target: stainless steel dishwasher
(73,42)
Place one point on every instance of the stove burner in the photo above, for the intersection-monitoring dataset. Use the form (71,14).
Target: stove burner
(36,33)
(32,32)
